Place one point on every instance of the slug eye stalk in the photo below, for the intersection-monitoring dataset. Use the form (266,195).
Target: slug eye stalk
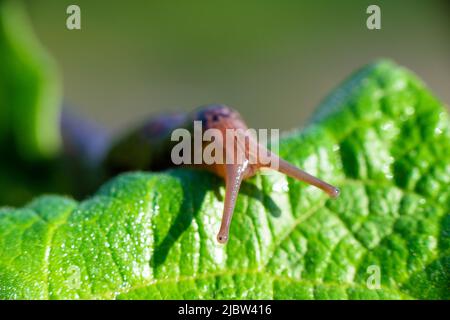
(298,174)
(233,179)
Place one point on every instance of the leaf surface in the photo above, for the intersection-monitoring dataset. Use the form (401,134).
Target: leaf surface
(381,137)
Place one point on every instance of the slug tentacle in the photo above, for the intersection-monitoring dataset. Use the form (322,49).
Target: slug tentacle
(298,174)
(234,174)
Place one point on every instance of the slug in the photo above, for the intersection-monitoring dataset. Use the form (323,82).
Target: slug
(150,147)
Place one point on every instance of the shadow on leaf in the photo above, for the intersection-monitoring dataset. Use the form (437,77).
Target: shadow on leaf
(192,202)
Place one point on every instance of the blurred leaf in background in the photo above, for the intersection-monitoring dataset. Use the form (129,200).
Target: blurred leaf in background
(31,159)
(30,90)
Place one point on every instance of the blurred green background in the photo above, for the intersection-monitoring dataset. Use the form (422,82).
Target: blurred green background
(273,60)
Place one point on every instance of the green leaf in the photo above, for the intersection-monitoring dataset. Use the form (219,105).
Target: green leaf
(30,93)
(381,137)
(30,100)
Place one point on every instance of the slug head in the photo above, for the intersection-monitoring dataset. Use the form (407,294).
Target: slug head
(224,118)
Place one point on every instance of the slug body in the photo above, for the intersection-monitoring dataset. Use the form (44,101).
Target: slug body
(242,157)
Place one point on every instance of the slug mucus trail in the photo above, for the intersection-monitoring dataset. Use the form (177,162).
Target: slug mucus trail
(150,147)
